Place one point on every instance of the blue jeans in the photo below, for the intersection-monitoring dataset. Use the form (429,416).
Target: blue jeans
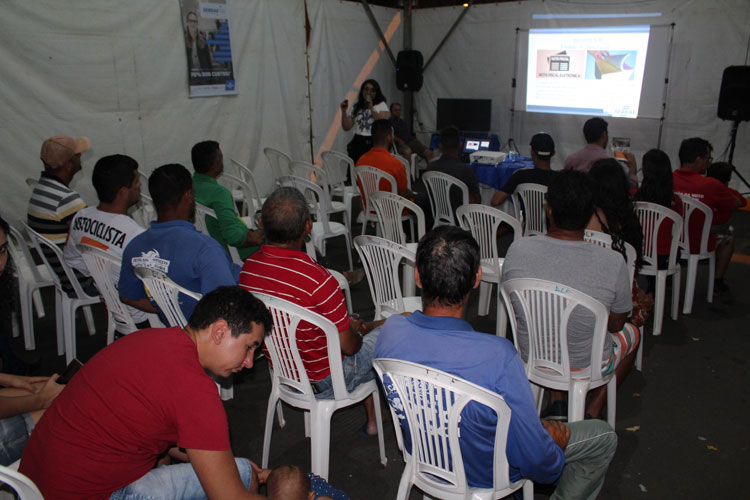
(357,368)
(14,432)
(177,482)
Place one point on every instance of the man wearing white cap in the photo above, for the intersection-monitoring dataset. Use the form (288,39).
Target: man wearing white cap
(53,204)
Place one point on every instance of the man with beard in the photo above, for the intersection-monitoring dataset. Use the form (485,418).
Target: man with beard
(174,246)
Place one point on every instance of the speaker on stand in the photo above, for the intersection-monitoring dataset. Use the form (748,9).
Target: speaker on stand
(734,104)
(409,70)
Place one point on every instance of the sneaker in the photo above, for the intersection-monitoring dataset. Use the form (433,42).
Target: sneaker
(557,410)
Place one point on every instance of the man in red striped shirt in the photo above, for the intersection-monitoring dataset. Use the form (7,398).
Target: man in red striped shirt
(281,269)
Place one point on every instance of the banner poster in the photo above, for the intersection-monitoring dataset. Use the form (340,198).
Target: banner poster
(208,47)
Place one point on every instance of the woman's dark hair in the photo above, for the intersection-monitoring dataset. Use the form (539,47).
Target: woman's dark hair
(657,179)
(361,103)
(612,196)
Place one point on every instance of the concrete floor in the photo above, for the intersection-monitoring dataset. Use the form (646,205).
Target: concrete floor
(680,422)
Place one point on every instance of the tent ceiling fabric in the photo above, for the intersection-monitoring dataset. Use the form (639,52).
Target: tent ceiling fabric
(116,72)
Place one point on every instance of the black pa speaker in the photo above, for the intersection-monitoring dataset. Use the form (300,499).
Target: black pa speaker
(734,97)
(409,70)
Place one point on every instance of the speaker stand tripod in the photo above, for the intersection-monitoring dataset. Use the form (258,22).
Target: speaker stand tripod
(732,140)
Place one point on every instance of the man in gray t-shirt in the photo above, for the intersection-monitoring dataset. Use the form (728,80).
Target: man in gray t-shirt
(563,256)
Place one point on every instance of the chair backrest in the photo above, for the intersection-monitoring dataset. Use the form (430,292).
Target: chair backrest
(439,186)
(143,212)
(247,190)
(202,212)
(389,208)
(165,293)
(483,222)
(317,198)
(248,176)
(381,259)
(429,404)
(605,241)
(543,309)
(49,251)
(691,207)
(407,168)
(278,161)
(369,179)
(533,198)
(25,487)
(281,343)
(104,268)
(652,216)
(337,165)
(24,262)
(313,173)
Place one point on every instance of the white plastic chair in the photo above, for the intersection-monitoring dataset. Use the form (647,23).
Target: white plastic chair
(291,384)
(691,208)
(31,277)
(250,189)
(336,166)
(369,178)
(381,259)
(652,216)
(544,308)
(483,222)
(143,212)
(430,403)
(278,161)
(605,241)
(533,217)
(439,186)
(317,175)
(65,305)
(31,182)
(389,209)
(166,294)
(104,268)
(340,278)
(407,168)
(322,229)
(243,193)
(24,487)
(201,213)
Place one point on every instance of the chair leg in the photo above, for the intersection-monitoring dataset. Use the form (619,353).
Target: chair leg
(711,278)
(89,319)
(483,308)
(307,424)
(59,322)
(692,270)
(407,278)
(27,319)
(349,250)
(675,293)
(110,328)
(612,401)
(528,490)
(272,402)
(36,295)
(577,400)
(639,353)
(501,318)
(320,440)
(405,484)
(379,422)
(69,331)
(661,283)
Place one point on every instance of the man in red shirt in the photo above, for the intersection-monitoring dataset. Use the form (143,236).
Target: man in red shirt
(380,158)
(281,269)
(690,179)
(145,393)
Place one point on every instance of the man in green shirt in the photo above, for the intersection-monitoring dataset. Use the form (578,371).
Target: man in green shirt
(227,228)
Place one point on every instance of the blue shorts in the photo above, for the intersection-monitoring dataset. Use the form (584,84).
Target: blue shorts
(14,432)
(357,368)
(178,482)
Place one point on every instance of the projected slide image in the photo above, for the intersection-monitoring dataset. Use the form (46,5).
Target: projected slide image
(560,64)
(605,64)
(595,71)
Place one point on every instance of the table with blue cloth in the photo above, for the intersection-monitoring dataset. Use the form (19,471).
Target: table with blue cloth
(497,175)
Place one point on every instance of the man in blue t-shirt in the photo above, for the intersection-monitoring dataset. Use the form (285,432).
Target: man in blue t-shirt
(574,455)
(174,246)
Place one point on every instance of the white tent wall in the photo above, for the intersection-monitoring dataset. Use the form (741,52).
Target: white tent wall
(477,61)
(116,72)
(344,51)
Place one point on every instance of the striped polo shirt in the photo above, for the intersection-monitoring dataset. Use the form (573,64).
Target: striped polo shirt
(294,276)
(52,207)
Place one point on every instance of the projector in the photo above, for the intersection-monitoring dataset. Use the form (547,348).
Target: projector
(487,157)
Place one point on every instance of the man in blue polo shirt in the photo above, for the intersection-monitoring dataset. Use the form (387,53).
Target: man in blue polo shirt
(576,455)
(174,246)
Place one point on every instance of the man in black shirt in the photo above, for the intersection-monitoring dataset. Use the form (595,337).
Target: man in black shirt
(406,142)
(542,151)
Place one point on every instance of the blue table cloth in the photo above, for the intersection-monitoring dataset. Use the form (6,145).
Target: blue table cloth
(497,175)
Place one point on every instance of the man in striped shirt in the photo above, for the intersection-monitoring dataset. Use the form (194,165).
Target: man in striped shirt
(53,204)
(281,269)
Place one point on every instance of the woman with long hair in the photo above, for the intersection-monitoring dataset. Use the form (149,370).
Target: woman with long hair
(370,106)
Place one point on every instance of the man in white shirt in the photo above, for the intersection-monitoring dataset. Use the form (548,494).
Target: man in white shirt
(107,226)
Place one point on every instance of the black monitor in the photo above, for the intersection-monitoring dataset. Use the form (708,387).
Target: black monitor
(468,115)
